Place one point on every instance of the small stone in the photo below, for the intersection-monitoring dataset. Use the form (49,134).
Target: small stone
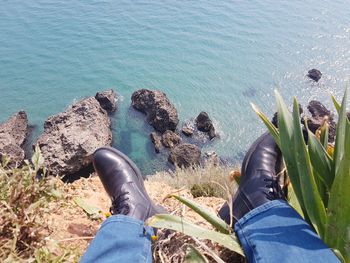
(187,131)
(205,124)
(314,74)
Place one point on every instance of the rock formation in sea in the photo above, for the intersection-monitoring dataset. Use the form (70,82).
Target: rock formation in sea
(205,124)
(161,113)
(314,74)
(185,155)
(188,131)
(320,114)
(13,134)
(157,141)
(170,139)
(70,138)
(107,100)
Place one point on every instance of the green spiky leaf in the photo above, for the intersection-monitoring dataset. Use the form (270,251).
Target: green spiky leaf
(180,224)
(272,129)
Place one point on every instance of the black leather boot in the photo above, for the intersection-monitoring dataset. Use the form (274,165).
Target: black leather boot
(261,180)
(123,182)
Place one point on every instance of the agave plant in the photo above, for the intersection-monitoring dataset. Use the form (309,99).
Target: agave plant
(319,173)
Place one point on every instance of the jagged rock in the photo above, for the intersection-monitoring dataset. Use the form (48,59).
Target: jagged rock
(205,124)
(170,139)
(320,114)
(107,100)
(317,109)
(16,128)
(157,140)
(185,155)
(161,113)
(70,138)
(14,152)
(188,131)
(13,134)
(314,74)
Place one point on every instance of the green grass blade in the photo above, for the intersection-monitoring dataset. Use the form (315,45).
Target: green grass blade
(272,129)
(321,161)
(179,224)
(338,227)
(324,135)
(219,224)
(311,197)
(336,104)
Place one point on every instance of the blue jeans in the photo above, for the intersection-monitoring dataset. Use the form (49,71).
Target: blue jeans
(121,239)
(273,232)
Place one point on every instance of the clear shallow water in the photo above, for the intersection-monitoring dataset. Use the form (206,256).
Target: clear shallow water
(216,56)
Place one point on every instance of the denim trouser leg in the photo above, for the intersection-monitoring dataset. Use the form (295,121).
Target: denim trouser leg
(121,239)
(274,232)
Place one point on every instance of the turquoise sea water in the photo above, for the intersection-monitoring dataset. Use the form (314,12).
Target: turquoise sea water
(216,56)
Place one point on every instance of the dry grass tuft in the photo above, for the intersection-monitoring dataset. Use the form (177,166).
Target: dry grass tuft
(210,180)
(23,202)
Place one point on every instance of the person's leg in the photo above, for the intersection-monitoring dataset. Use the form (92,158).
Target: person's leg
(269,229)
(275,232)
(121,239)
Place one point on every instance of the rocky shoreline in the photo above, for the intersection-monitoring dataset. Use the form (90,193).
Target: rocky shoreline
(70,137)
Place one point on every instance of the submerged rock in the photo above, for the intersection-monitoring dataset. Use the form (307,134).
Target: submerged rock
(157,141)
(170,139)
(205,124)
(70,138)
(319,115)
(314,74)
(185,155)
(13,134)
(107,100)
(161,113)
(188,131)
(317,109)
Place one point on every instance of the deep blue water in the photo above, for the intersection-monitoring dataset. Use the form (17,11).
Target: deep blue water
(216,56)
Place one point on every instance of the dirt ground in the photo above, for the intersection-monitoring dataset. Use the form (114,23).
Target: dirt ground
(71,227)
